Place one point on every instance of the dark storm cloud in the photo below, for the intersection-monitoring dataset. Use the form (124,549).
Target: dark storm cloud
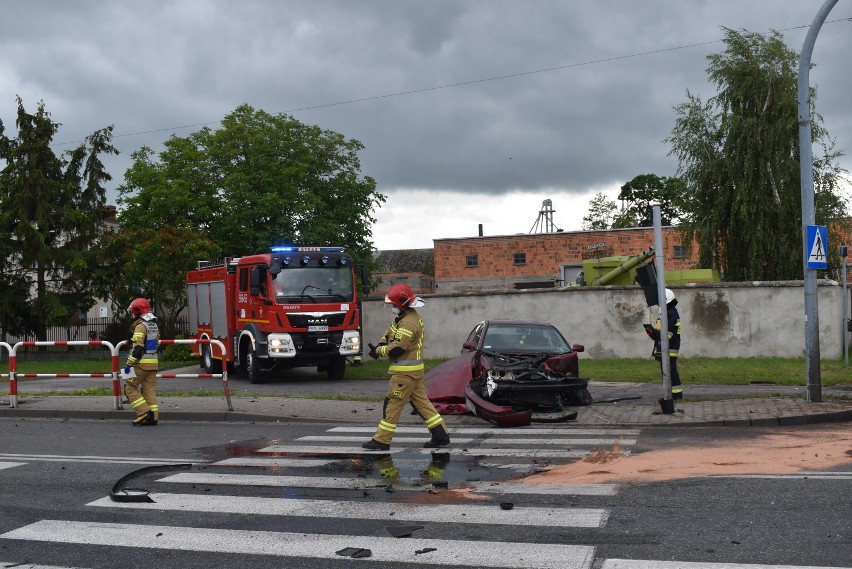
(596,117)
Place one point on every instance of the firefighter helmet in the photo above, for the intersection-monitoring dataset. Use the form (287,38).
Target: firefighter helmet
(670,297)
(399,295)
(139,307)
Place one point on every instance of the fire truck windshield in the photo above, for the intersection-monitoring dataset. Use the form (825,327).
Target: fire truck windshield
(317,284)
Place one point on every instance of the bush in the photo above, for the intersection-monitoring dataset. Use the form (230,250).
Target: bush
(177,353)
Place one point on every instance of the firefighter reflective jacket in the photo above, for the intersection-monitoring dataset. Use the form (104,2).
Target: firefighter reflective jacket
(144,342)
(673,321)
(403,344)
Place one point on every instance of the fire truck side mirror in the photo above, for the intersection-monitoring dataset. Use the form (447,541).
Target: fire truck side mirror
(256,278)
(275,267)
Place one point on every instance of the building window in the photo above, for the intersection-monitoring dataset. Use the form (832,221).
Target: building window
(520,258)
(472,261)
(679,252)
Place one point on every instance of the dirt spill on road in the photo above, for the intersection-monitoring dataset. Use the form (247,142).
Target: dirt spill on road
(779,452)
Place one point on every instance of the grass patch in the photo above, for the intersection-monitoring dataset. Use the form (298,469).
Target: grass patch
(693,371)
(78,392)
(80,366)
(717,371)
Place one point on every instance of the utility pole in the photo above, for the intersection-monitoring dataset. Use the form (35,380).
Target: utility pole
(806,165)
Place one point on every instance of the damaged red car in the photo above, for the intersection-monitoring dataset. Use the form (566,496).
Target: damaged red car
(510,373)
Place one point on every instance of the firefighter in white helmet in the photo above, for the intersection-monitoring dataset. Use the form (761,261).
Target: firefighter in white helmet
(673,321)
(402,344)
(141,386)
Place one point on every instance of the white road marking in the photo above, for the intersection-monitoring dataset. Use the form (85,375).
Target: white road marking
(643,564)
(510,452)
(362,483)
(275,462)
(297,449)
(517,452)
(98,459)
(502,432)
(443,513)
(462,440)
(385,550)
(26,565)
(10,464)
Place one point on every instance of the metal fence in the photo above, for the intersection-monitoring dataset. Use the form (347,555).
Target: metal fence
(113,331)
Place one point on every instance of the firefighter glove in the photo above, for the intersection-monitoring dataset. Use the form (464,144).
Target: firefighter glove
(373,353)
(126,370)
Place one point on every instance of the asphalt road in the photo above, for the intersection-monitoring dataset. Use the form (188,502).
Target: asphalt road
(55,479)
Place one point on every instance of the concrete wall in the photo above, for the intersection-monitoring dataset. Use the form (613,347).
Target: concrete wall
(718,320)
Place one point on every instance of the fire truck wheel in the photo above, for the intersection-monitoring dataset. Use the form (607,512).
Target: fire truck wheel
(208,362)
(252,371)
(336,368)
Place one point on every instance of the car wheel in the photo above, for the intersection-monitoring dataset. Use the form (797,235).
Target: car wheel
(580,398)
(208,362)
(252,370)
(336,368)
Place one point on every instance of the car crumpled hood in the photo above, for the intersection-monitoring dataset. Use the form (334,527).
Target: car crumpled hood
(445,384)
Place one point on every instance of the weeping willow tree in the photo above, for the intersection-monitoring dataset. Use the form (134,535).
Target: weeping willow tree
(738,153)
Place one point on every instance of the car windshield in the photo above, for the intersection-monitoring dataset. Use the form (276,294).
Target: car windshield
(517,338)
(310,283)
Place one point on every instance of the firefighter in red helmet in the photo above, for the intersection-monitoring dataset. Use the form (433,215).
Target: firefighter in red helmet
(140,384)
(402,344)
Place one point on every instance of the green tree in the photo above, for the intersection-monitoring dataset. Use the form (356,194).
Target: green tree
(601,213)
(259,180)
(738,154)
(638,194)
(52,209)
(150,262)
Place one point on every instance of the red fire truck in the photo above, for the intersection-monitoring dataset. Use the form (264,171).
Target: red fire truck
(291,307)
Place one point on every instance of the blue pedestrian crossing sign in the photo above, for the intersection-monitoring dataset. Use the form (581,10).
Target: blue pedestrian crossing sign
(817,247)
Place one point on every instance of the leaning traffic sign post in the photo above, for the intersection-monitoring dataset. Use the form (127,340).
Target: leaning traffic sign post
(806,168)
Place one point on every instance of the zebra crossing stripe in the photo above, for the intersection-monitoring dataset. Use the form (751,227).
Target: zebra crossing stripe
(517,452)
(97,459)
(306,449)
(364,483)
(502,452)
(643,564)
(489,431)
(396,440)
(384,550)
(26,565)
(275,462)
(443,513)
(10,464)
(462,440)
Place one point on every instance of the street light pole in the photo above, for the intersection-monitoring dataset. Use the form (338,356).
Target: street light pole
(806,165)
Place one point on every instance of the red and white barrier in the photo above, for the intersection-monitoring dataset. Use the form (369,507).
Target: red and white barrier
(114,351)
(13,366)
(223,375)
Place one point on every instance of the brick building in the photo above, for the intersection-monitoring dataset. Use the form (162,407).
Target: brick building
(543,259)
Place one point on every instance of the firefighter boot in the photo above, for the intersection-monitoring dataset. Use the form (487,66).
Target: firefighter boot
(373,444)
(144,420)
(440,437)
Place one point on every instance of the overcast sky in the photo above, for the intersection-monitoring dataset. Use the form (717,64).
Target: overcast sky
(471,111)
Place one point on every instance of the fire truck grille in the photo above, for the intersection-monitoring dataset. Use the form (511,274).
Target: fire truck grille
(302,321)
